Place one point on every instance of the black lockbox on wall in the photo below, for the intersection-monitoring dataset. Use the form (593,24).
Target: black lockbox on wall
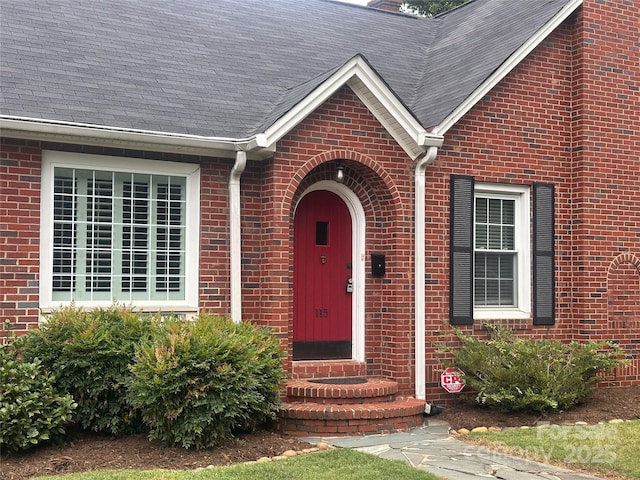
(378,266)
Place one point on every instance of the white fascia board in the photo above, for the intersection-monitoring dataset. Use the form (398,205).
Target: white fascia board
(108,136)
(412,141)
(386,105)
(506,67)
(391,104)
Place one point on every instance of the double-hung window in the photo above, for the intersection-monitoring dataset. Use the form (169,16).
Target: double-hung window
(501,273)
(119,230)
(492,254)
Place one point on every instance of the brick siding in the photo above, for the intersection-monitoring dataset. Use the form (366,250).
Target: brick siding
(567,115)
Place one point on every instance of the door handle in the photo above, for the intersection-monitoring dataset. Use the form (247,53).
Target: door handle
(349,285)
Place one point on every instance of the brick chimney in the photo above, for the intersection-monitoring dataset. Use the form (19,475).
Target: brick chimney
(388,5)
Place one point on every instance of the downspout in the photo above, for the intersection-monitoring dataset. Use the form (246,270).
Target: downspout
(420,270)
(235,238)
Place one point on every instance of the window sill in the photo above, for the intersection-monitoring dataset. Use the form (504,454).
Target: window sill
(500,314)
(184,312)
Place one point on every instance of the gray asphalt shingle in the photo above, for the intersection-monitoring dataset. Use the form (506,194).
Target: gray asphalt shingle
(229,68)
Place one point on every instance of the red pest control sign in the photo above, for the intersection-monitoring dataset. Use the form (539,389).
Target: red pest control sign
(452,380)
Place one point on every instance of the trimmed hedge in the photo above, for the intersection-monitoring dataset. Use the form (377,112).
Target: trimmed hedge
(89,353)
(31,410)
(190,383)
(201,381)
(513,374)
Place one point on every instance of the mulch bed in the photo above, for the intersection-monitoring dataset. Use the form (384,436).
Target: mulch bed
(606,404)
(85,452)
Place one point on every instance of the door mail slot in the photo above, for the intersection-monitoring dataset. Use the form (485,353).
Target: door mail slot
(378,266)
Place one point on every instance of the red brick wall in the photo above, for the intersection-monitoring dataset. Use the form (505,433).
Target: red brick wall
(381,175)
(215,280)
(19,234)
(567,115)
(519,133)
(607,187)
(20,169)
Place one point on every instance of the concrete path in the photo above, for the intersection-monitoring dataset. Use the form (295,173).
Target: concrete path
(430,448)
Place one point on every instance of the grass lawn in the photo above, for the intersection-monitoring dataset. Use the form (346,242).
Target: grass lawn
(335,464)
(603,448)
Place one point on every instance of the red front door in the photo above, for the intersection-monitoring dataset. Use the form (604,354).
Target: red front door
(322,278)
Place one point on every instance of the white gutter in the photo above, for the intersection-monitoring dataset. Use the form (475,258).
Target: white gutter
(420,270)
(101,135)
(235,236)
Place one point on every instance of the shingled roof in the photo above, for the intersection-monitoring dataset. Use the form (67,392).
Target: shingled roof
(229,68)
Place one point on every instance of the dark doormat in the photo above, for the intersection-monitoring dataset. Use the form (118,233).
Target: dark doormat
(339,380)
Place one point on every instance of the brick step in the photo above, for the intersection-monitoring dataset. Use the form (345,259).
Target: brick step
(314,419)
(375,390)
(302,369)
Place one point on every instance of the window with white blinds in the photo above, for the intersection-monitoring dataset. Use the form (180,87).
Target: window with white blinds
(120,235)
(496,257)
(501,250)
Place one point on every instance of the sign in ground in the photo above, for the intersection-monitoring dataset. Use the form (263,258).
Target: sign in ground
(452,380)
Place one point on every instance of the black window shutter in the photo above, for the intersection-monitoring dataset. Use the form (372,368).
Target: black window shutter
(543,254)
(461,251)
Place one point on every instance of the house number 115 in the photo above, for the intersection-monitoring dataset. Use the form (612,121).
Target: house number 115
(322,312)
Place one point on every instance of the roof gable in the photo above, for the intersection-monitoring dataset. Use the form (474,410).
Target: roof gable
(370,89)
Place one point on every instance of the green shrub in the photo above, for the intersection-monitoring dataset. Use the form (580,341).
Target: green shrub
(89,353)
(512,374)
(31,410)
(202,381)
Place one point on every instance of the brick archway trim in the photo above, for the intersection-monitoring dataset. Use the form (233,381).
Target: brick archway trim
(624,258)
(331,155)
(624,327)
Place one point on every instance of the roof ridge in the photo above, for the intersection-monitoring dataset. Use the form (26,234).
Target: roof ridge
(418,86)
(442,14)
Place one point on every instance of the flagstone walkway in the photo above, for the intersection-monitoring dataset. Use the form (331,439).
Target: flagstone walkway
(432,449)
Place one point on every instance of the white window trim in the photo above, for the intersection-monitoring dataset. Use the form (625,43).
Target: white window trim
(522,196)
(52,159)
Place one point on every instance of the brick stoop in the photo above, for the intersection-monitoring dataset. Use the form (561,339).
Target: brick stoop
(327,368)
(376,390)
(316,409)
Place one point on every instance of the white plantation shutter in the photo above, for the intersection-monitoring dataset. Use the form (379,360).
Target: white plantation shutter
(118,236)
